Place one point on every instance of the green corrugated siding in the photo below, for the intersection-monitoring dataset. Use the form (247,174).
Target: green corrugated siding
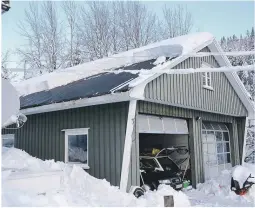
(41,136)
(195,137)
(187,89)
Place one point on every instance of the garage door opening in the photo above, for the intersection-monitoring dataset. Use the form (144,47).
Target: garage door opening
(164,151)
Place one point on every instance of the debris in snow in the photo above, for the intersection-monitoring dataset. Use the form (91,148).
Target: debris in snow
(241,173)
(160,60)
(217,192)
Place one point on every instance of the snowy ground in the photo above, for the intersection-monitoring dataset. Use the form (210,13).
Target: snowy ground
(77,188)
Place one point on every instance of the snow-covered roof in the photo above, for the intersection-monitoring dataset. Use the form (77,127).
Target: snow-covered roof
(169,48)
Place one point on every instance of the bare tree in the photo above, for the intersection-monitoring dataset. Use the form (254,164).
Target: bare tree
(95,29)
(42,32)
(72,40)
(6,72)
(30,28)
(137,24)
(52,36)
(176,21)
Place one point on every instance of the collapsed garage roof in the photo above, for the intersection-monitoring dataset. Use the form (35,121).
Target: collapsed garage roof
(118,73)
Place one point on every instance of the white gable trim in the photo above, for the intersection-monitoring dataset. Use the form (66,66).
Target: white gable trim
(233,79)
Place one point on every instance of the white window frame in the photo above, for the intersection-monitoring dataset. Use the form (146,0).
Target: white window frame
(9,136)
(80,131)
(206,76)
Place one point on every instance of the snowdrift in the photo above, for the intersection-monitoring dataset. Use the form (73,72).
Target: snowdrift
(217,192)
(77,188)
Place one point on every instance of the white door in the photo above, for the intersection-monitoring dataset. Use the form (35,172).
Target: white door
(216,149)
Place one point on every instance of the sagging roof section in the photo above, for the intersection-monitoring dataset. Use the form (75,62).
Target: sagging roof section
(101,84)
(115,81)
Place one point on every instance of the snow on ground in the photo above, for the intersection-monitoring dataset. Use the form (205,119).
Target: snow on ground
(78,188)
(216,192)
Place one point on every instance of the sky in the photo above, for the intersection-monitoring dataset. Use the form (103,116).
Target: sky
(221,18)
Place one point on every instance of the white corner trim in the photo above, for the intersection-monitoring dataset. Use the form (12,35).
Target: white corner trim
(244,142)
(110,98)
(128,145)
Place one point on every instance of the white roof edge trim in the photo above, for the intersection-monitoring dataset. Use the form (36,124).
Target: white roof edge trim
(138,91)
(104,99)
(234,79)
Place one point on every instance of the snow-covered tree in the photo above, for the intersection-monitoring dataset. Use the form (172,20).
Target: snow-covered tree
(176,21)
(5,71)
(73,53)
(41,28)
(243,43)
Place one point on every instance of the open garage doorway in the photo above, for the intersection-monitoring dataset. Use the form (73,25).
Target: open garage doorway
(164,149)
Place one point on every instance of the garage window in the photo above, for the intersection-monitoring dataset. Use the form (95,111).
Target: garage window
(8,140)
(207,77)
(76,146)
(216,146)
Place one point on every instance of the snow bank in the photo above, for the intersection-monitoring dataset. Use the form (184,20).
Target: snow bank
(171,48)
(217,192)
(16,159)
(77,187)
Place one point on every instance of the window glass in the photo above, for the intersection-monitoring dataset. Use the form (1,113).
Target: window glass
(223,127)
(148,163)
(216,126)
(208,81)
(219,147)
(77,148)
(8,142)
(226,147)
(227,158)
(220,159)
(225,136)
(208,126)
(210,136)
(218,135)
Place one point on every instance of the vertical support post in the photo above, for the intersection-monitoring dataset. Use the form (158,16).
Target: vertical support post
(128,145)
(244,141)
(169,201)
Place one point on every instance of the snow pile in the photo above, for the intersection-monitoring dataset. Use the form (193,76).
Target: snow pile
(16,159)
(173,47)
(160,60)
(155,199)
(78,188)
(217,192)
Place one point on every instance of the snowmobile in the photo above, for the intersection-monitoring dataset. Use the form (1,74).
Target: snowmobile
(235,186)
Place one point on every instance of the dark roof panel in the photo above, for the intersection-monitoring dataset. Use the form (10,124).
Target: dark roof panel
(96,85)
(84,88)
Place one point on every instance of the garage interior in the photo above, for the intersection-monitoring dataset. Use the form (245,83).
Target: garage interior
(166,132)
